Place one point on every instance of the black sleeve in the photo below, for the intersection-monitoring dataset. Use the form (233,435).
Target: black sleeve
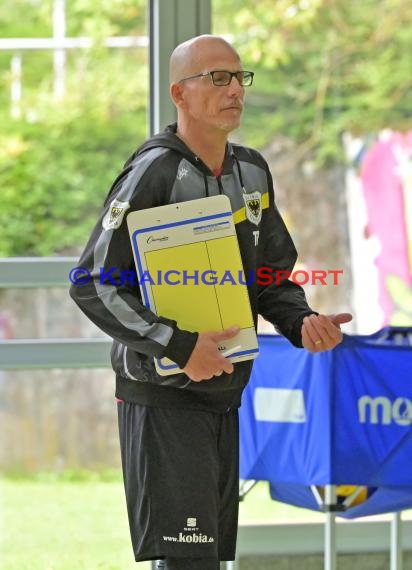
(282,303)
(111,299)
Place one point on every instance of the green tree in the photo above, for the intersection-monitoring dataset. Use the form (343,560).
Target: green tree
(324,67)
(59,158)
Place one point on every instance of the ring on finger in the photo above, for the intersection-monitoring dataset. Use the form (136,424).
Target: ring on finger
(319,341)
(219,373)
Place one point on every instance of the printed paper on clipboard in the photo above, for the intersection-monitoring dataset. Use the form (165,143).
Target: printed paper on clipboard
(190,270)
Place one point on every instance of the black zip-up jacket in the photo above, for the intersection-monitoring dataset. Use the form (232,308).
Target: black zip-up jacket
(163,171)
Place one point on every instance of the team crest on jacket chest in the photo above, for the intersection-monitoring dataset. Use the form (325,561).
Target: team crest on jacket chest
(253,203)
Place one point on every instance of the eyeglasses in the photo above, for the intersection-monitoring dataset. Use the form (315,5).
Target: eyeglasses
(221,78)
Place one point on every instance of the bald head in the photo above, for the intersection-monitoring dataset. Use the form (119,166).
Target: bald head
(187,58)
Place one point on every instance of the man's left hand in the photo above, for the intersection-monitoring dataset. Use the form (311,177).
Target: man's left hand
(322,332)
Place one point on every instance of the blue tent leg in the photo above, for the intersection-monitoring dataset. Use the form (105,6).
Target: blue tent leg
(396,542)
(330,528)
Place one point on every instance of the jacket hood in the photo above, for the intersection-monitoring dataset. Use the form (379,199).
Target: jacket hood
(169,139)
(165,139)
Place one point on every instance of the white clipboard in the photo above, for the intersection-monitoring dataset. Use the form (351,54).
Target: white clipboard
(190,270)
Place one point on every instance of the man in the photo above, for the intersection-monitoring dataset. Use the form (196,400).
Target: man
(179,434)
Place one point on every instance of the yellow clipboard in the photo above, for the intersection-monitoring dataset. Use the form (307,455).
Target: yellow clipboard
(190,270)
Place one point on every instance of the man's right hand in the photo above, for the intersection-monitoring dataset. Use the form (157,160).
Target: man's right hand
(206,360)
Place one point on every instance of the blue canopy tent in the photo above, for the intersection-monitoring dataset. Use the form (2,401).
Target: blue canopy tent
(342,417)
